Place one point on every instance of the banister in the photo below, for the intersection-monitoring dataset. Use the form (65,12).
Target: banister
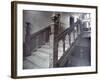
(71,33)
(42,30)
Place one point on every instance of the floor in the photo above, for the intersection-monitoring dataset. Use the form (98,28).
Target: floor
(80,55)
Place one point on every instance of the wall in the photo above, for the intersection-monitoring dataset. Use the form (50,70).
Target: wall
(41,19)
(38,19)
(5,41)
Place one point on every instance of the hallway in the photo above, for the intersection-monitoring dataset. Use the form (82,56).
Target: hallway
(81,55)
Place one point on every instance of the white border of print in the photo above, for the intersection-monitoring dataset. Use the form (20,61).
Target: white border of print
(21,72)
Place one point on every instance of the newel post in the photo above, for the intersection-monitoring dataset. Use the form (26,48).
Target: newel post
(27,40)
(54,44)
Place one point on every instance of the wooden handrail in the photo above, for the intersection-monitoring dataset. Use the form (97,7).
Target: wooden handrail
(40,31)
(62,36)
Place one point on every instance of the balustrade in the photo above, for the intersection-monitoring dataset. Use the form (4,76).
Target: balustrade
(65,41)
(40,38)
(36,40)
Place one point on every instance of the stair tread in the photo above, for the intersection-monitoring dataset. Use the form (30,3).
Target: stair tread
(47,47)
(28,65)
(41,55)
(48,51)
(38,61)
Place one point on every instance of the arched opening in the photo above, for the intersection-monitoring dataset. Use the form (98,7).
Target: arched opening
(66,42)
(60,49)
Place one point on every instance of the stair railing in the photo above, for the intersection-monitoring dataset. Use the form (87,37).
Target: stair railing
(35,40)
(40,38)
(69,35)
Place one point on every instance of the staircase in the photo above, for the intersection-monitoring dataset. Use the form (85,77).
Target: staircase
(38,59)
(48,55)
(42,56)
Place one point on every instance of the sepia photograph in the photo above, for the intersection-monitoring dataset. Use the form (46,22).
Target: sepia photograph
(53,39)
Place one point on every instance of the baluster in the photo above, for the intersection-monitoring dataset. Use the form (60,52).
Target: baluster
(74,34)
(69,39)
(63,45)
(55,54)
(77,31)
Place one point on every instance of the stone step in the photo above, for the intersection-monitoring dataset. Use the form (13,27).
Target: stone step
(38,61)
(41,55)
(28,65)
(47,47)
(47,51)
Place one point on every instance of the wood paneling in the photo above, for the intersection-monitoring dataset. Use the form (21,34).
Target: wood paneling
(36,40)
